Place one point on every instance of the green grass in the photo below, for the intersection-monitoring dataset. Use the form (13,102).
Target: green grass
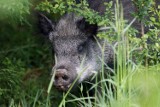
(146,83)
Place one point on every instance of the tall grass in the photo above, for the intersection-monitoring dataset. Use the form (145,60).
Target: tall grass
(124,66)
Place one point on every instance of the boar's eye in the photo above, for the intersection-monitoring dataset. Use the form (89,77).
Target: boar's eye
(81,48)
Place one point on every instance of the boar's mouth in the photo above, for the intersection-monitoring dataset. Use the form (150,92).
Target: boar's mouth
(66,87)
(63,88)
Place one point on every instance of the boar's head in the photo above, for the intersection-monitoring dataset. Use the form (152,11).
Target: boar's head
(74,46)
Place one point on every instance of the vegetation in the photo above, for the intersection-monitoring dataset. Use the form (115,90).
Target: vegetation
(26,58)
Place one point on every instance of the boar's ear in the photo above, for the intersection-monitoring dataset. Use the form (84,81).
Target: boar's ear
(86,27)
(45,25)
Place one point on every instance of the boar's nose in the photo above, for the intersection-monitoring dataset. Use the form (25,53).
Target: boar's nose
(62,79)
(61,74)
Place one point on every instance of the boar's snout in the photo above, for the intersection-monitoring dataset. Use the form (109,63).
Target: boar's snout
(62,80)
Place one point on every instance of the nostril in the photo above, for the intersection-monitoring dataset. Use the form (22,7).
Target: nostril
(61,75)
(56,77)
(65,77)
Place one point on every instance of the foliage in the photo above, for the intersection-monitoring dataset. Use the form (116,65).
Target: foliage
(142,7)
(61,7)
(148,13)
(20,54)
(14,10)
(10,73)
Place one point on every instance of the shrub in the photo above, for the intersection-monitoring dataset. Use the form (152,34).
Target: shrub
(10,73)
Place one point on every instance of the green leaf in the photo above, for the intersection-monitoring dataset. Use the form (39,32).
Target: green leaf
(153,19)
